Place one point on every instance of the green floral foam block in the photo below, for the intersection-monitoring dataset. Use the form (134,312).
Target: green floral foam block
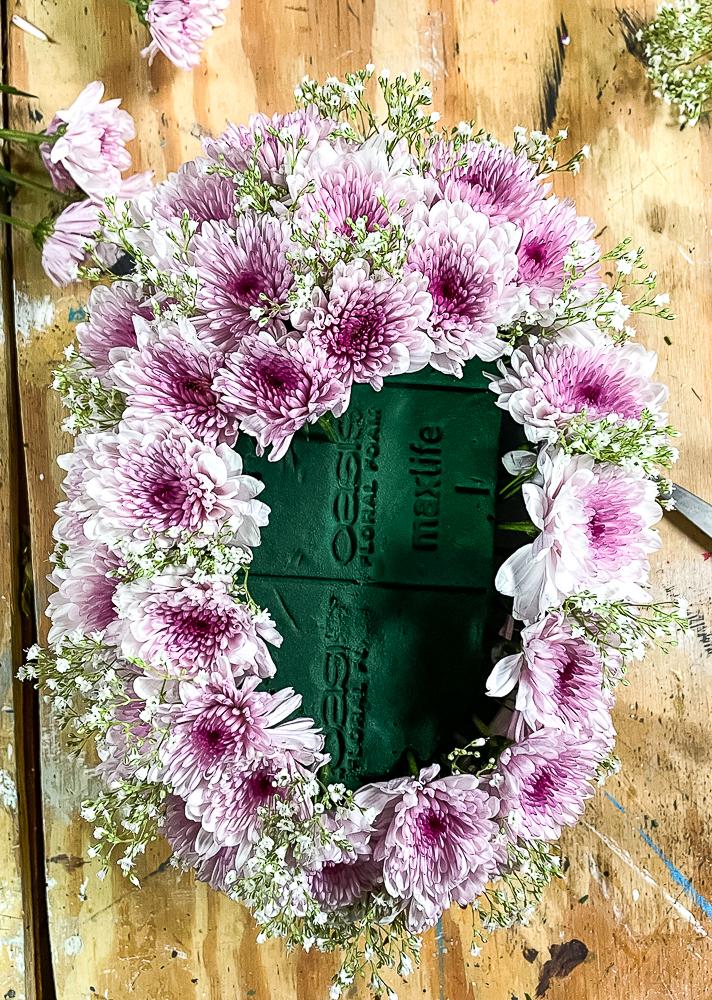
(377,567)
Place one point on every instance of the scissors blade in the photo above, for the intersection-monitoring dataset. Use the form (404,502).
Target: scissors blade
(696,510)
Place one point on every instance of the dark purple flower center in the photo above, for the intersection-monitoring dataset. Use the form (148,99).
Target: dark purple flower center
(261,785)
(277,375)
(543,789)
(359,333)
(431,828)
(246,287)
(169,496)
(211,740)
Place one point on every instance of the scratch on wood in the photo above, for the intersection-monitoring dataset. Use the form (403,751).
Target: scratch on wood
(625,857)
(441,957)
(678,877)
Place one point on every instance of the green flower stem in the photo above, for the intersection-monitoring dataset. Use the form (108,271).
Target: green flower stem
(11,220)
(30,138)
(7,175)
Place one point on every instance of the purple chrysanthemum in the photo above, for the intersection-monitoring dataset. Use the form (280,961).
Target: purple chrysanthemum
(370,328)
(172,372)
(155,477)
(91,152)
(493,181)
(240,270)
(596,535)
(111,322)
(206,197)
(179,28)
(217,728)
(348,182)
(546,385)
(69,527)
(274,389)
(559,679)
(84,596)
(342,883)
(275,154)
(547,238)
(68,236)
(544,780)
(178,627)
(229,809)
(196,848)
(470,268)
(436,838)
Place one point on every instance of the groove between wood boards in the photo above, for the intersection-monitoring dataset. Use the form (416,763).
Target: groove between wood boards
(39,976)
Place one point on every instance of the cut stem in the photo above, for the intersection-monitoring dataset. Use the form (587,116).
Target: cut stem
(12,221)
(7,175)
(31,138)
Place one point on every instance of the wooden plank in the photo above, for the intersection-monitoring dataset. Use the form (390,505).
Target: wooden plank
(643,925)
(12,927)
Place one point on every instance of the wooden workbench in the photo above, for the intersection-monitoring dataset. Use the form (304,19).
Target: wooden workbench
(639,864)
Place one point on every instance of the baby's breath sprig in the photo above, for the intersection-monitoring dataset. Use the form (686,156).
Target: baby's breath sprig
(172,277)
(91,405)
(126,817)
(513,896)
(678,52)
(541,148)
(633,444)
(626,628)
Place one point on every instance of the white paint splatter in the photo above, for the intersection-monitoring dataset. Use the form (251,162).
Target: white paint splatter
(627,860)
(73,945)
(16,950)
(51,883)
(32,315)
(8,791)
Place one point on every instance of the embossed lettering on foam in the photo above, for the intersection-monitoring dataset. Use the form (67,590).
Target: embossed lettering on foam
(426,469)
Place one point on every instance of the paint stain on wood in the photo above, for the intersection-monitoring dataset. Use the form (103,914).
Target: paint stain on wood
(630,24)
(70,862)
(564,959)
(530,954)
(553,75)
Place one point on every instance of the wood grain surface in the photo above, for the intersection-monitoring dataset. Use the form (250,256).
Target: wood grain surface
(633,916)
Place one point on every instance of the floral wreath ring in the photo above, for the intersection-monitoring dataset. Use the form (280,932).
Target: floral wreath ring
(303,254)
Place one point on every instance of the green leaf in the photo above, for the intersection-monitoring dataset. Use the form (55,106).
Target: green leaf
(5,88)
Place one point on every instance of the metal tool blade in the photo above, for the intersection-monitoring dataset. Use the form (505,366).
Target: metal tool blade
(694,508)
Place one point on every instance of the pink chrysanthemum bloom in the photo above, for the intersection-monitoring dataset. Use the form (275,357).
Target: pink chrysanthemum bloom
(352,182)
(274,389)
(436,839)
(596,535)
(173,372)
(559,679)
(179,627)
(66,239)
(544,781)
(196,848)
(218,727)
(547,238)
(110,325)
(206,197)
(228,810)
(235,269)
(298,134)
(91,154)
(470,267)
(370,328)
(69,527)
(83,600)
(502,186)
(154,477)
(338,884)
(180,27)
(547,385)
